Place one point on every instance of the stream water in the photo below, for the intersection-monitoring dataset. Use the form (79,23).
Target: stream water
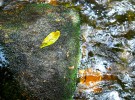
(107,70)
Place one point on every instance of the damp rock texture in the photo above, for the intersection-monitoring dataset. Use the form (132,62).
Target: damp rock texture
(48,73)
(108,44)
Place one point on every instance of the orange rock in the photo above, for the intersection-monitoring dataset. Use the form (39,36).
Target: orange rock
(53,2)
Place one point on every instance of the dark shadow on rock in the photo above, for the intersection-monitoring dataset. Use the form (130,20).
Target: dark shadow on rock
(9,86)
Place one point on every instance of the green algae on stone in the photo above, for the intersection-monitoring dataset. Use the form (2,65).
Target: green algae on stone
(128,16)
(43,72)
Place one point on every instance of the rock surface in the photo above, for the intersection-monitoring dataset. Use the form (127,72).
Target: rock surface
(48,73)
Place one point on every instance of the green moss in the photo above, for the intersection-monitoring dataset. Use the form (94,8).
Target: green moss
(72,73)
(15,19)
(74,59)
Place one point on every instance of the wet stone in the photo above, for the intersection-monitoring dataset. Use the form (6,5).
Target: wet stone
(107,64)
(44,73)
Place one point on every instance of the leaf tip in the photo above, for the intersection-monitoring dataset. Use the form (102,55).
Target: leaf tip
(41,46)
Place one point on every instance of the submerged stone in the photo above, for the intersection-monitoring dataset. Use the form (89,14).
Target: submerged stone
(43,73)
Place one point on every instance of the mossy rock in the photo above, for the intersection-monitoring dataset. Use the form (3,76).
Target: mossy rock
(48,73)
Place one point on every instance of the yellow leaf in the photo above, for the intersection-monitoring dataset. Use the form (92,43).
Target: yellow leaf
(50,39)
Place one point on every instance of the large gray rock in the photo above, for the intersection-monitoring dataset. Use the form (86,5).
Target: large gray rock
(46,73)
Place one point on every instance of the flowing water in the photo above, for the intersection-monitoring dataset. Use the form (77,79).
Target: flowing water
(107,70)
